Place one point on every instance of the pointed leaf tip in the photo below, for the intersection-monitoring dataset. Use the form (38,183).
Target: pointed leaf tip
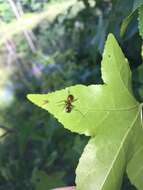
(110,36)
(29,97)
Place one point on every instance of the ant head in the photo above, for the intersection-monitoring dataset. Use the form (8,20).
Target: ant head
(70,98)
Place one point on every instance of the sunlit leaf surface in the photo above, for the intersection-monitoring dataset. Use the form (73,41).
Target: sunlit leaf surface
(109,114)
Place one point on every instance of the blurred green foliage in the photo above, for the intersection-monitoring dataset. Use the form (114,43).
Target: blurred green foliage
(5,12)
(68,51)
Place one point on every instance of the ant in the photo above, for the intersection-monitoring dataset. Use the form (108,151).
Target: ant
(68,106)
(68,103)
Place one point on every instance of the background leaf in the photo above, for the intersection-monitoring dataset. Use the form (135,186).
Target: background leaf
(141,21)
(29,21)
(126,22)
(136,5)
(43,181)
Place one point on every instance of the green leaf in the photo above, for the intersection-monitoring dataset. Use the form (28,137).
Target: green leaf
(103,162)
(108,113)
(140,92)
(87,114)
(141,21)
(138,74)
(135,167)
(136,5)
(126,22)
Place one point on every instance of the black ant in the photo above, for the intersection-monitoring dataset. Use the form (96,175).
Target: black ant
(68,106)
(68,103)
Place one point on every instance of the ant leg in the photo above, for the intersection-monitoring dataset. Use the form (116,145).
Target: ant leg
(62,105)
(75,100)
(78,111)
(61,101)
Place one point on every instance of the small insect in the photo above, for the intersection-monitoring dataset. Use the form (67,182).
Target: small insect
(68,103)
(68,106)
